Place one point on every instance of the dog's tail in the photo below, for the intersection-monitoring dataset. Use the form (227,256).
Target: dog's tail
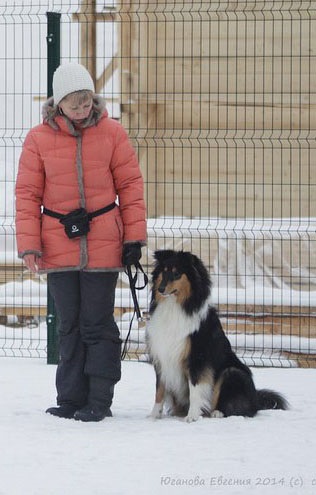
(268,399)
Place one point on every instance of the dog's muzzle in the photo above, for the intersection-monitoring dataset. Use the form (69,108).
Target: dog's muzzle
(162,291)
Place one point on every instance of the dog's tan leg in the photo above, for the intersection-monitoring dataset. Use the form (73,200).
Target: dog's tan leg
(215,396)
(215,413)
(157,410)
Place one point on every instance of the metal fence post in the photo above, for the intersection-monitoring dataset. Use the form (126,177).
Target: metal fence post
(53,61)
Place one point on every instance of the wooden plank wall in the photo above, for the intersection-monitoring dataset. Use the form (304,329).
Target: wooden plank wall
(219,100)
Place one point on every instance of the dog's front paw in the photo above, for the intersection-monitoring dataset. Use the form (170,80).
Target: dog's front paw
(156,412)
(192,416)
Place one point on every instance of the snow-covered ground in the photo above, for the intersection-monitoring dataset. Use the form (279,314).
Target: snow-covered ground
(131,454)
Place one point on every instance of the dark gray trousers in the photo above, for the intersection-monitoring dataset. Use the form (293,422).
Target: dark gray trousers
(89,339)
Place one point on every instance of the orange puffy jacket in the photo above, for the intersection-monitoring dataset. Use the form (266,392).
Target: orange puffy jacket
(63,169)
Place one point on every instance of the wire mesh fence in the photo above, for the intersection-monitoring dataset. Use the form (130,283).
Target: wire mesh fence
(218,99)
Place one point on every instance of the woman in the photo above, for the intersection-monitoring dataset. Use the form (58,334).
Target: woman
(80,217)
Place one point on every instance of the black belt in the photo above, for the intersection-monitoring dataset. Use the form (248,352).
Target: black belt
(91,215)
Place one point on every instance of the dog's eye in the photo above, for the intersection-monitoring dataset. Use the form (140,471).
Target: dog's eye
(176,275)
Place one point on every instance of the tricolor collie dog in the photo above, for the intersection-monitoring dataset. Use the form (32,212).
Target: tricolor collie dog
(197,373)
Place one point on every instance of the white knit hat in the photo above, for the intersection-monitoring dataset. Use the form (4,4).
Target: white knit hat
(69,78)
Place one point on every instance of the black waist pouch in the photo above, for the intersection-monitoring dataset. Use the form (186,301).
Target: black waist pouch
(76,223)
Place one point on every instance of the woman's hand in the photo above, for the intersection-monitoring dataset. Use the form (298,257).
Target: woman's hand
(30,261)
(132,253)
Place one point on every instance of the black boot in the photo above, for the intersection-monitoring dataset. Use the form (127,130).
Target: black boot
(64,411)
(92,413)
(101,391)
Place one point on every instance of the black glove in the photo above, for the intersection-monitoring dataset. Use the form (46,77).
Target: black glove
(132,253)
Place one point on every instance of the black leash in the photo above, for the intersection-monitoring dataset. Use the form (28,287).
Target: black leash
(133,288)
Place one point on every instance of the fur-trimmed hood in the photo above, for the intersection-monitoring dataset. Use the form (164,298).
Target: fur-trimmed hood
(51,114)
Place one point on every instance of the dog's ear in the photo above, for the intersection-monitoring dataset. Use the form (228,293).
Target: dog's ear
(201,270)
(163,255)
(190,259)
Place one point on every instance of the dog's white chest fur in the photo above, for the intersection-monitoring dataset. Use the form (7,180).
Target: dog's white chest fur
(167,334)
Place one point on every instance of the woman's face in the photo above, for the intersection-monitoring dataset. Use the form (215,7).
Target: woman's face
(77,112)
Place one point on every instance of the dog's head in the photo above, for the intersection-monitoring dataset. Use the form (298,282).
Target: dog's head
(181,275)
